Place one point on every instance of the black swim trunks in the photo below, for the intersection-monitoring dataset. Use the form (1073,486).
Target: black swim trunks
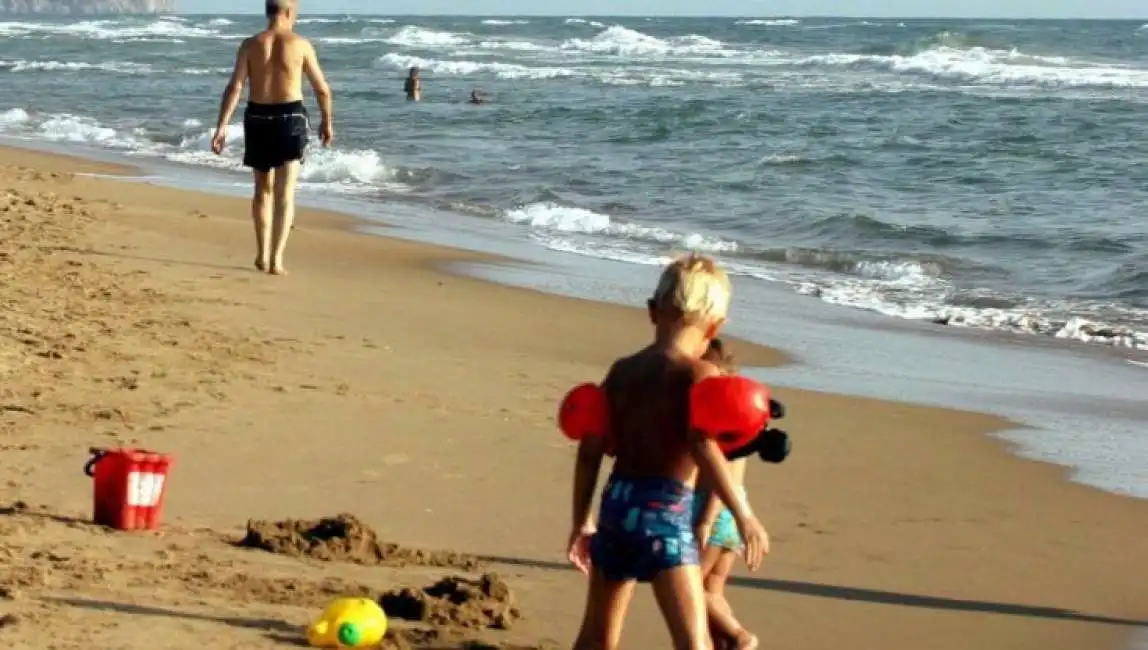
(274,134)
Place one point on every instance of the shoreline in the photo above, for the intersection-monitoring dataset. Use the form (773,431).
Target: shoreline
(434,394)
(363,207)
(487,266)
(369,216)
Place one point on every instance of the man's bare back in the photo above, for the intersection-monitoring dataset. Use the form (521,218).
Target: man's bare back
(649,391)
(275,65)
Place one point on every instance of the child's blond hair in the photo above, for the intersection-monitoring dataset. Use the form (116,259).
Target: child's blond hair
(696,287)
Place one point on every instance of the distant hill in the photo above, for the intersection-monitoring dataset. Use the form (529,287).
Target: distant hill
(85,7)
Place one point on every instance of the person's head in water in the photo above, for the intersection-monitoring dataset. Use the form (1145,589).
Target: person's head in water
(476,96)
(414,72)
(280,11)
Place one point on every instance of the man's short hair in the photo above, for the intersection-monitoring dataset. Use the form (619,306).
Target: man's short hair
(276,7)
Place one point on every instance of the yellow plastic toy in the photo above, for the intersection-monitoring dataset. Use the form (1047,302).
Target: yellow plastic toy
(348,623)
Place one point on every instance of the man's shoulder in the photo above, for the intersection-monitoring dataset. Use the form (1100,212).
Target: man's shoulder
(299,41)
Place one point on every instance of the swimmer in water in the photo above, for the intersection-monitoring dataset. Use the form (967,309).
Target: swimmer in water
(645,528)
(477,97)
(413,86)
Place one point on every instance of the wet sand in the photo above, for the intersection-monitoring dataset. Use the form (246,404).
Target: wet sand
(373,383)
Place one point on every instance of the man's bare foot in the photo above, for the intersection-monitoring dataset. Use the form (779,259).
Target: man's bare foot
(260,265)
(745,641)
(277,270)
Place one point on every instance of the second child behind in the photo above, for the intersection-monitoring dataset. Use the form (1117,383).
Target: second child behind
(717,535)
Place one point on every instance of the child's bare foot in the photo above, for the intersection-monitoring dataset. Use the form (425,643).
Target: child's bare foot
(745,641)
(260,265)
(277,270)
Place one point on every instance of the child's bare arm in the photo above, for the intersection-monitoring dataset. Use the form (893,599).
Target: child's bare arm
(589,462)
(587,465)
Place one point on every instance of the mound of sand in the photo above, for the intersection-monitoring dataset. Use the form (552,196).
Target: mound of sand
(456,602)
(435,639)
(344,538)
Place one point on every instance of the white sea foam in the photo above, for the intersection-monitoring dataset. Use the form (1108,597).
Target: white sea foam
(902,288)
(625,42)
(627,76)
(970,67)
(583,21)
(346,19)
(770,22)
(13,117)
(110,30)
(466,68)
(981,65)
(554,218)
(499,23)
(346,171)
(417,37)
(123,67)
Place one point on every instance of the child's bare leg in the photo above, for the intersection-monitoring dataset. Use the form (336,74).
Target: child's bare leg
(284,191)
(681,598)
(709,559)
(722,621)
(261,205)
(606,604)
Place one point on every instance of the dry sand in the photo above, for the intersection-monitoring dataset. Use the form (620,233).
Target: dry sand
(372,383)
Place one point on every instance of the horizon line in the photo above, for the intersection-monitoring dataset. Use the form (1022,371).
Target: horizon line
(735,16)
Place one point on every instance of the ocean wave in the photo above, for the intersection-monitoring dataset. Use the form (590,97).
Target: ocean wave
(121,67)
(583,21)
(346,171)
(417,37)
(770,22)
(614,40)
(918,270)
(1050,318)
(499,22)
(898,287)
(625,42)
(1000,67)
(551,217)
(345,19)
(110,30)
(629,76)
(467,68)
(895,284)
(112,67)
(947,58)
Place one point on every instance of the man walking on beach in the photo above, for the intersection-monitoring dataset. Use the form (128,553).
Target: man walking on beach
(275,123)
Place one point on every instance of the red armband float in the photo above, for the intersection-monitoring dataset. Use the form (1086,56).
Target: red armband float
(729,409)
(584,412)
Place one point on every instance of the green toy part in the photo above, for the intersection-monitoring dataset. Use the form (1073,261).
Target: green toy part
(350,635)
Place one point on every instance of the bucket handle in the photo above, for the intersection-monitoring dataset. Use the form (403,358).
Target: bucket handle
(97,455)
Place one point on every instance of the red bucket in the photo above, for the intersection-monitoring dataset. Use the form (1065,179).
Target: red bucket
(129,487)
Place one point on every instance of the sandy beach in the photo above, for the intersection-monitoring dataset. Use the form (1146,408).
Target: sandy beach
(373,383)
